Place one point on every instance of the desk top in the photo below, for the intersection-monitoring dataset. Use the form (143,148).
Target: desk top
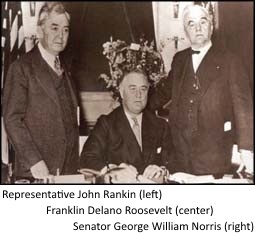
(177,178)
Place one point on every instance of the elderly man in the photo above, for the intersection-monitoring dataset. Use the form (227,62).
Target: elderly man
(40,104)
(129,137)
(211,104)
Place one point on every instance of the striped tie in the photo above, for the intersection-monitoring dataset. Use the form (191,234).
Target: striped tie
(136,131)
(57,66)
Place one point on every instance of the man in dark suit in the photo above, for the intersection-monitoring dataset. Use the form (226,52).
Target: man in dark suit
(211,104)
(129,136)
(40,105)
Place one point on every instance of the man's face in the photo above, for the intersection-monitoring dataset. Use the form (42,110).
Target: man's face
(55,32)
(134,92)
(198,27)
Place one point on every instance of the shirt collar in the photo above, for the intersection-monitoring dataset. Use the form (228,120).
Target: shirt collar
(203,50)
(49,58)
(130,120)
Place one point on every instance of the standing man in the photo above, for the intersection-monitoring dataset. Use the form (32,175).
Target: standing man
(211,104)
(130,136)
(40,104)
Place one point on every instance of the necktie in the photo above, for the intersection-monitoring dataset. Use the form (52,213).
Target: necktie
(194,52)
(57,66)
(136,131)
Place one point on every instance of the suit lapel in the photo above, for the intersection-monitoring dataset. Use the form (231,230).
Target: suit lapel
(43,76)
(182,71)
(208,71)
(68,78)
(148,137)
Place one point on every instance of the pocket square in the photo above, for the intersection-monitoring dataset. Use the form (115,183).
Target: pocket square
(159,150)
(227,126)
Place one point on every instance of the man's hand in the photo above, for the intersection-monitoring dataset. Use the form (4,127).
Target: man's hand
(153,171)
(247,160)
(107,168)
(129,169)
(124,173)
(39,170)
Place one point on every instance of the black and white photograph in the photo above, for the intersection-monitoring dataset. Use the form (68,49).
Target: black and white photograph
(127,92)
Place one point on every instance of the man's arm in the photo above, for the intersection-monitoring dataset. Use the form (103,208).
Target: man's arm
(243,112)
(161,94)
(167,147)
(161,167)
(14,111)
(94,149)
(242,104)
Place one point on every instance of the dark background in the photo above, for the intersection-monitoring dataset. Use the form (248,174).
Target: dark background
(236,31)
(93,23)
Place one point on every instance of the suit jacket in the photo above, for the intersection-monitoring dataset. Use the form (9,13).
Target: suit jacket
(33,116)
(113,141)
(225,97)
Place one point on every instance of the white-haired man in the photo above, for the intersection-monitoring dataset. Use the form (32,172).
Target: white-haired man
(211,104)
(40,104)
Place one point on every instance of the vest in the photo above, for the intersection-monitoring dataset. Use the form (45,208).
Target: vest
(188,107)
(67,107)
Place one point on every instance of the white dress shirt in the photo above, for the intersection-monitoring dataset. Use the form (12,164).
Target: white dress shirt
(49,58)
(197,58)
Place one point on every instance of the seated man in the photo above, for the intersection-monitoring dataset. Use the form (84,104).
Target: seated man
(130,137)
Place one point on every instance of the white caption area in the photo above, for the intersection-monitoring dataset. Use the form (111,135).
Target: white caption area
(230,204)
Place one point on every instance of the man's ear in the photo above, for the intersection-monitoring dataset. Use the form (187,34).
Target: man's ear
(185,31)
(39,31)
(212,27)
(121,91)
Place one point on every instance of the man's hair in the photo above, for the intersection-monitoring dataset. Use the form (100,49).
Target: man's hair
(190,8)
(50,7)
(137,71)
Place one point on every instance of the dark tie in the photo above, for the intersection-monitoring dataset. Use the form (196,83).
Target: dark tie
(194,52)
(57,66)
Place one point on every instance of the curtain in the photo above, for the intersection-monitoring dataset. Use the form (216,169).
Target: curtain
(12,46)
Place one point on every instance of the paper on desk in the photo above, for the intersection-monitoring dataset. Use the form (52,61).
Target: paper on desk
(185,178)
(231,181)
(144,180)
(70,179)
